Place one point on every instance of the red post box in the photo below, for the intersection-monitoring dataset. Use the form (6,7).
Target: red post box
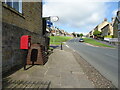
(25,42)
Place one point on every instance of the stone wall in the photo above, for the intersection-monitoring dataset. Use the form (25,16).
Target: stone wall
(12,55)
(30,18)
(14,25)
(115,29)
(0,46)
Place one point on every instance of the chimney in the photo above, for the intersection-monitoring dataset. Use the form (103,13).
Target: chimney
(113,18)
(105,19)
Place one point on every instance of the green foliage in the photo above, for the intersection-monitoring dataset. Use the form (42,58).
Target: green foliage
(81,35)
(96,32)
(94,42)
(78,35)
(74,34)
(108,36)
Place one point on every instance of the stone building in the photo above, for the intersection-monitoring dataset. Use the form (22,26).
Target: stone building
(107,30)
(91,33)
(19,18)
(101,25)
(116,25)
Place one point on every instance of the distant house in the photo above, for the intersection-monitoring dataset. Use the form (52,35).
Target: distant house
(68,34)
(103,24)
(100,28)
(91,33)
(54,31)
(96,28)
(62,33)
(107,30)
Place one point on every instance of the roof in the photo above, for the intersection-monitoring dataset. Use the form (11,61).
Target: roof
(105,26)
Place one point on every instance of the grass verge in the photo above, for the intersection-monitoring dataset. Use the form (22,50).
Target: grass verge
(93,42)
(56,40)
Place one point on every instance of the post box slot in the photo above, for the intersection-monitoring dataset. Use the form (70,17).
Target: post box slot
(34,54)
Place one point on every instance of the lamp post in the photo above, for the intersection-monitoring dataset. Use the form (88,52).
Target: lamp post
(49,21)
(61,46)
(54,18)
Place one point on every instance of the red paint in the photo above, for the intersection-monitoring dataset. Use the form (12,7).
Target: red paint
(25,42)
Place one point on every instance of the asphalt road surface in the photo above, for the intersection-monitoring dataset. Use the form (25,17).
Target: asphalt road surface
(105,60)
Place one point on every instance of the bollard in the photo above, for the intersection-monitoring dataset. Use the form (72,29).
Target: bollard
(25,62)
(24,66)
(61,46)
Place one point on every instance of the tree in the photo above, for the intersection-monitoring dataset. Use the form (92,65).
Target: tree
(97,33)
(78,35)
(74,34)
(81,35)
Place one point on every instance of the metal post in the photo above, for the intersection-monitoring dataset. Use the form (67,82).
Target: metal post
(32,63)
(25,61)
(61,46)
(25,66)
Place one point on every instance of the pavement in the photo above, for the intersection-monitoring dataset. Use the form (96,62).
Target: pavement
(62,70)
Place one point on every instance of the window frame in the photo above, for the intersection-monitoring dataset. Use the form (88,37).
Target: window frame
(12,6)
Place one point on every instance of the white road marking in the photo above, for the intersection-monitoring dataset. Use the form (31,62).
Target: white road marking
(67,46)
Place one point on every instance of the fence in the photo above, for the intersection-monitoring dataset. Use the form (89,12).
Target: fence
(111,39)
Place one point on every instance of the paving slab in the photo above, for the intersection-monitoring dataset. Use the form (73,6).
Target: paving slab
(62,70)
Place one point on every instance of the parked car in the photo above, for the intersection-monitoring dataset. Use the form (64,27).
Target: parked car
(81,40)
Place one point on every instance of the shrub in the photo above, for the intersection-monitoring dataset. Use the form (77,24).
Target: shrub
(108,36)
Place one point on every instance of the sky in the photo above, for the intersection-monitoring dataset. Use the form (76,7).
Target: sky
(79,16)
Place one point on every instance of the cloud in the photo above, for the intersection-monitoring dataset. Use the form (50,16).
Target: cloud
(114,12)
(81,0)
(76,14)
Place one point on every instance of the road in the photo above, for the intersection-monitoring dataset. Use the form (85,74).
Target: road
(105,60)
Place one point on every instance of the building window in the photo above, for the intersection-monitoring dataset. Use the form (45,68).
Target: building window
(9,2)
(16,4)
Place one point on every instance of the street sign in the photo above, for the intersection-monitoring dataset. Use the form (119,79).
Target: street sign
(49,23)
